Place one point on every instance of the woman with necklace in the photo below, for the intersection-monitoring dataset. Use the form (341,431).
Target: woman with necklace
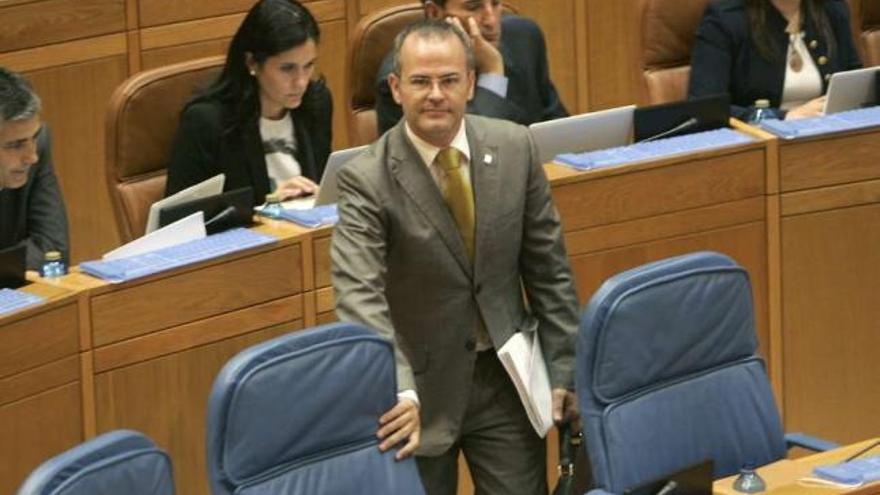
(783,51)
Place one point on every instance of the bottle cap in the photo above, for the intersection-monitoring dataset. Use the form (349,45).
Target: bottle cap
(762,103)
(273,198)
(53,255)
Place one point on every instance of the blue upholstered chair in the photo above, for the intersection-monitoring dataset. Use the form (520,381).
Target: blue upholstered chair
(668,374)
(299,414)
(122,462)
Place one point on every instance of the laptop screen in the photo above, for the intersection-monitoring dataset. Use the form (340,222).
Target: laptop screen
(12,267)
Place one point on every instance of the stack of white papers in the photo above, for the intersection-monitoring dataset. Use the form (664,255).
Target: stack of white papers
(522,358)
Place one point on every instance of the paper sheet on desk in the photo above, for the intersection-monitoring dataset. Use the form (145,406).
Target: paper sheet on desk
(522,358)
(183,230)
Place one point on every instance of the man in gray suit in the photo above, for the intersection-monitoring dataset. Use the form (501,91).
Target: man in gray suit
(443,223)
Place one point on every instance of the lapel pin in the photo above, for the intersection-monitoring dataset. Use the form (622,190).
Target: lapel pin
(487,159)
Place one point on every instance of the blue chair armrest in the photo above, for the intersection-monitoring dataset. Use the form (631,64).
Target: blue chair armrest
(808,442)
(598,491)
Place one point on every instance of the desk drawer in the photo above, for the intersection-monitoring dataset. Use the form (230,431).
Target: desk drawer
(833,160)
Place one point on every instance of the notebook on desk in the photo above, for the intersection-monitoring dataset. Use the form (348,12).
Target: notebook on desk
(328,190)
(584,132)
(12,267)
(692,480)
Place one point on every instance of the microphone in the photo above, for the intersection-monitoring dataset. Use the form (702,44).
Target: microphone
(687,124)
(226,219)
(668,488)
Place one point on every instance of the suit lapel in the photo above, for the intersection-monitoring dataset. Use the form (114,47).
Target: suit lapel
(484,178)
(414,177)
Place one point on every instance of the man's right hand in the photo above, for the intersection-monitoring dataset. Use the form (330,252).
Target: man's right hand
(489,60)
(400,423)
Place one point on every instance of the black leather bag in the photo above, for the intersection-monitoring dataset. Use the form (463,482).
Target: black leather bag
(574,470)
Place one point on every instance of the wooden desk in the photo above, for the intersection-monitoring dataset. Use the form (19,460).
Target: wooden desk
(159,342)
(781,477)
(40,383)
(830,278)
(621,217)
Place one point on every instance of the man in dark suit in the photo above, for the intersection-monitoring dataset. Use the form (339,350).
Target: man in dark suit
(513,80)
(31,207)
(443,222)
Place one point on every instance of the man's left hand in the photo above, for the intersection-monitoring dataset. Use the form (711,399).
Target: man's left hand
(565,409)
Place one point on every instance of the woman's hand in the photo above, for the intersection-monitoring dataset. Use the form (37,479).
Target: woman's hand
(296,187)
(812,108)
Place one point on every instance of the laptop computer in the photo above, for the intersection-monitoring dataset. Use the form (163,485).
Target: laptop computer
(203,189)
(585,132)
(222,211)
(12,267)
(681,117)
(328,191)
(852,89)
(692,480)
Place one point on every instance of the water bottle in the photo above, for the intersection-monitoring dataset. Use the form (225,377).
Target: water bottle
(749,481)
(761,112)
(273,208)
(53,266)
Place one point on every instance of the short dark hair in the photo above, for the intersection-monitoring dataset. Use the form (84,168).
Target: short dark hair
(431,28)
(18,101)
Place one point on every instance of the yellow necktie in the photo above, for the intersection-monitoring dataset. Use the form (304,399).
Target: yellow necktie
(459,195)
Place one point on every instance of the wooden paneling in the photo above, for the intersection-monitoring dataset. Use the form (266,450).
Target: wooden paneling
(150,59)
(191,295)
(167,399)
(634,192)
(322,262)
(74,99)
(561,43)
(216,328)
(614,48)
(828,198)
(370,6)
(831,322)
(816,162)
(745,243)
(41,339)
(34,429)
(40,379)
(331,63)
(158,12)
(45,22)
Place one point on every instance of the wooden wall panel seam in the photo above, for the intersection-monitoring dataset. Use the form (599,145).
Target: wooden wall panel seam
(67,53)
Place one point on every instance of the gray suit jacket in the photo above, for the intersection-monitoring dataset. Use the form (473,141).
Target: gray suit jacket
(34,214)
(401,267)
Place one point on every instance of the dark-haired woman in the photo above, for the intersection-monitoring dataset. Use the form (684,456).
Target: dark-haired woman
(264,122)
(783,51)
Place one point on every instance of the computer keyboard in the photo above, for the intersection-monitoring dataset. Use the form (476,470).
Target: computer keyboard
(13,300)
(171,257)
(661,148)
(826,124)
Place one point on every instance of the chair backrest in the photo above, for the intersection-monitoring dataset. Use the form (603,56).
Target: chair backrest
(142,118)
(121,461)
(668,31)
(668,373)
(870,20)
(372,40)
(299,414)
